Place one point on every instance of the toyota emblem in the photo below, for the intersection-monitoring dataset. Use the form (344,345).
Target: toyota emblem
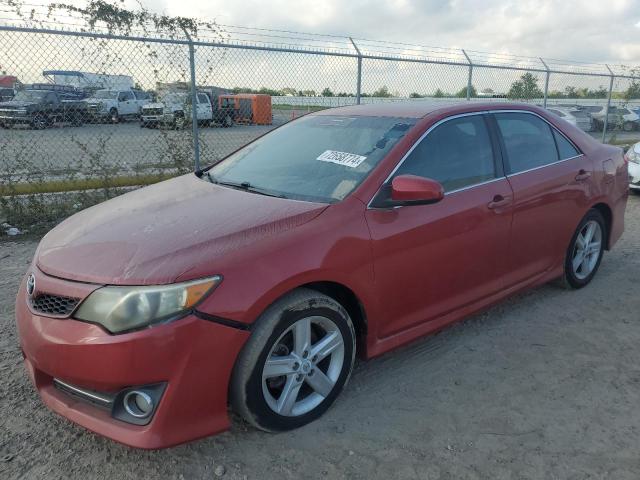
(31,284)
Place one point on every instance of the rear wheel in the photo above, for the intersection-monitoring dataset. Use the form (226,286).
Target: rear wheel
(628,126)
(296,362)
(585,250)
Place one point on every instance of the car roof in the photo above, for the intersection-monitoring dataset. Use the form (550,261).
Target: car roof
(421,108)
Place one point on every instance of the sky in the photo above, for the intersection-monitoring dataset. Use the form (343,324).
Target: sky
(583,30)
(593,31)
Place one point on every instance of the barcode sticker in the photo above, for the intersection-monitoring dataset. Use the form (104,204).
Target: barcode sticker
(342,158)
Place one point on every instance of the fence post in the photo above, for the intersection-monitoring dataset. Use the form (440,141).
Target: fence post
(469,80)
(546,83)
(606,113)
(359,79)
(194,104)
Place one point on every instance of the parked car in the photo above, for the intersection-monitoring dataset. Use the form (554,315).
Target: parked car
(254,283)
(114,105)
(6,94)
(174,110)
(633,157)
(41,109)
(576,117)
(619,117)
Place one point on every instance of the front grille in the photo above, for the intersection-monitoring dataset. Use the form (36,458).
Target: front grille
(54,304)
(152,111)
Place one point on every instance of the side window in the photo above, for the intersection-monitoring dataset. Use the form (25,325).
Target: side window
(457,153)
(565,147)
(528,141)
(124,96)
(202,98)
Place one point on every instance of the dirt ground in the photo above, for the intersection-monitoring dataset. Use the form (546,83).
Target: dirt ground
(545,385)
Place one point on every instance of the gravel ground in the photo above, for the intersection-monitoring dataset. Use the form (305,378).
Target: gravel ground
(545,385)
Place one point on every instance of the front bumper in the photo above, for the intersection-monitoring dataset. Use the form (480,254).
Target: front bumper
(192,356)
(9,116)
(634,176)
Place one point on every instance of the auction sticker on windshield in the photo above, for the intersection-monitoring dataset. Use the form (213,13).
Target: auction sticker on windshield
(342,158)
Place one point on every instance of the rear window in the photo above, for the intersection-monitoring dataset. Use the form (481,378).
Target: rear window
(565,147)
(316,158)
(528,141)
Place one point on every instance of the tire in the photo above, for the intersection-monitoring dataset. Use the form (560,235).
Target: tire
(580,276)
(628,126)
(598,125)
(76,119)
(39,121)
(114,116)
(179,123)
(259,400)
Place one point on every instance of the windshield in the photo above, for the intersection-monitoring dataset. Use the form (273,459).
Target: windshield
(30,95)
(174,98)
(105,94)
(316,158)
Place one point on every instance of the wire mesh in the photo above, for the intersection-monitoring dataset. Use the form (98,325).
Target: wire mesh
(89,112)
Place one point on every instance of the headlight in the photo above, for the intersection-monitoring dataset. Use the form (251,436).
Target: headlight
(633,156)
(125,308)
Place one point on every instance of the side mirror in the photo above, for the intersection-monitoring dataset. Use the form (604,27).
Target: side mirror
(414,190)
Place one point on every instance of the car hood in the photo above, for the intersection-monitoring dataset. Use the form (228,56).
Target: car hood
(157,234)
(16,104)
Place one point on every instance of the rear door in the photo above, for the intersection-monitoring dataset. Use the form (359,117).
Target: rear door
(550,180)
(432,259)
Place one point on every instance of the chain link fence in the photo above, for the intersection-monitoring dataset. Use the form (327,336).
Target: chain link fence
(87,113)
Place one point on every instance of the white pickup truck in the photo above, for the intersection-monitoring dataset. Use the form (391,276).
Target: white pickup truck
(174,110)
(114,105)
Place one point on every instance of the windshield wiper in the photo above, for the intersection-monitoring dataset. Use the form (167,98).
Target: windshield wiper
(246,186)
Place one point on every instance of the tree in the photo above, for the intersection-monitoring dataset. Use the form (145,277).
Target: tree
(415,95)
(327,92)
(438,93)
(289,91)
(462,93)
(525,88)
(383,92)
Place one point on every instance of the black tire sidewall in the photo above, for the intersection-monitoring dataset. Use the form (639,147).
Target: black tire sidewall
(570,276)
(262,414)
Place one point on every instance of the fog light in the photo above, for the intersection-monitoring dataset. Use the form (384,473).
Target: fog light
(138,404)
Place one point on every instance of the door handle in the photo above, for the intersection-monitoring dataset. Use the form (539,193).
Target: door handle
(499,201)
(583,175)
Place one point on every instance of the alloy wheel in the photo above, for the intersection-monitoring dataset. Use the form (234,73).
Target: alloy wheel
(303,366)
(587,249)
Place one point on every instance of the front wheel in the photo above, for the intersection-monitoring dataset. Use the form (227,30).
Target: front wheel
(114,116)
(628,126)
(585,250)
(296,362)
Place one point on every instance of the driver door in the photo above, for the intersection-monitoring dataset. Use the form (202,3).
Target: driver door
(430,260)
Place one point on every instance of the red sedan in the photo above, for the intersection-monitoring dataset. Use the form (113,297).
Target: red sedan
(254,283)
